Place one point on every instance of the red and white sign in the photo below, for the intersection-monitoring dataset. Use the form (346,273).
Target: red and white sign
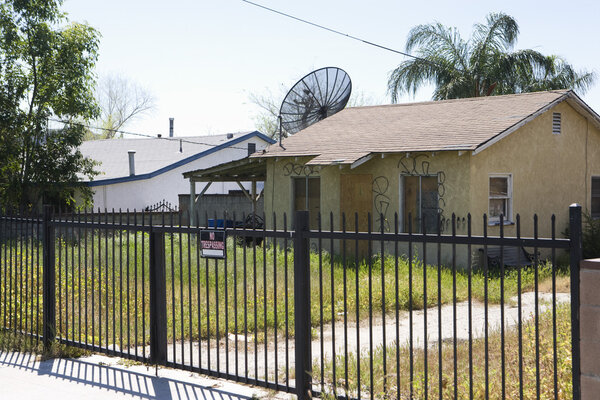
(212,244)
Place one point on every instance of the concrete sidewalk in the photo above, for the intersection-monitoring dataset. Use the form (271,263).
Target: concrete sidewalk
(23,376)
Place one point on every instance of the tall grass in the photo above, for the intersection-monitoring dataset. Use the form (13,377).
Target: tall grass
(514,386)
(104,280)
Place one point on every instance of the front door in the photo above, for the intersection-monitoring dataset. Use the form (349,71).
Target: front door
(356,198)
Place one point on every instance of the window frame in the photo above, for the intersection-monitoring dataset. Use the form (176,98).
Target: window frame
(402,200)
(306,179)
(592,214)
(508,218)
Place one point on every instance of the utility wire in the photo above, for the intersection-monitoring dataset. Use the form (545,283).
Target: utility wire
(345,34)
(178,139)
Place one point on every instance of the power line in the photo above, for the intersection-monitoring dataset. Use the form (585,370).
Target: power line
(141,134)
(345,34)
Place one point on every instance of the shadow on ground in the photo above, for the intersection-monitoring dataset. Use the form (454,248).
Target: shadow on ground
(118,380)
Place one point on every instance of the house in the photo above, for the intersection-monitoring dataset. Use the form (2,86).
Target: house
(139,173)
(514,154)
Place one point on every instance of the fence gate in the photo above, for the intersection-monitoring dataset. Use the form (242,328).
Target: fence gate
(443,315)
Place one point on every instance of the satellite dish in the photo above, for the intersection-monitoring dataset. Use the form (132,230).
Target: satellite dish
(313,98)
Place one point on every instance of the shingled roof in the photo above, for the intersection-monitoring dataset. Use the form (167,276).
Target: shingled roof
(463,124)
(155,155)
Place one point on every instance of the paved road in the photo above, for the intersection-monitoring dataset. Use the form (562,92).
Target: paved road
(24,377)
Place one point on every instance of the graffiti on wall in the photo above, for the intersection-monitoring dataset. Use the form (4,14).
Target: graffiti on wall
(416,165)
(298,169)
(419,165)
(382,202)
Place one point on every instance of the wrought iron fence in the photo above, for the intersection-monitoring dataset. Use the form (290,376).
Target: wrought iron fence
(336,311)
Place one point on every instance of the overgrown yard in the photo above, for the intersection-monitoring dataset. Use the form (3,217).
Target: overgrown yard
(253,290)
(513,388)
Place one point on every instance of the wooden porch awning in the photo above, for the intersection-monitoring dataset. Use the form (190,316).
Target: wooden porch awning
(244,170)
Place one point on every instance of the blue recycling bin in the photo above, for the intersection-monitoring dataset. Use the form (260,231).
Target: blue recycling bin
(221,223)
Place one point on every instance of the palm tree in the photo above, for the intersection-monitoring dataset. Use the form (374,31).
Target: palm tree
(482,66)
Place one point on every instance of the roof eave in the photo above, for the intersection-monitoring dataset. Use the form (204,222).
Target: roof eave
(523,122)
(148,175)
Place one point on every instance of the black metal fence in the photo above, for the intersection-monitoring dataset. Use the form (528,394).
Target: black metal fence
(340,312)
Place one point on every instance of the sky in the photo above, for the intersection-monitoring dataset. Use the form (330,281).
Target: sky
(202,59)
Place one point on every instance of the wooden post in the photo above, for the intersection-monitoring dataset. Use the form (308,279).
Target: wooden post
(254,197)
(191,212)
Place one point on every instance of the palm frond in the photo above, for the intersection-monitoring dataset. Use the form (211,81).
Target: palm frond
(482,66)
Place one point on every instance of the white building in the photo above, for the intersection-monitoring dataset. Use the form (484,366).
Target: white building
(139,173)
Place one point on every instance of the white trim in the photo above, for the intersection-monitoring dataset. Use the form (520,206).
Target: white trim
(361,161)
(579,105)
(508,218)
(401,205)
(519,124)
(571,98)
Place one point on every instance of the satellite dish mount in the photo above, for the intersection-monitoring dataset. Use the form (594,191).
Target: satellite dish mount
(313,98)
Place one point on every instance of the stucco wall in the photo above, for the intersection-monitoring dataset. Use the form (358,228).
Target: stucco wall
(549,171)
(453,189)
(452,171)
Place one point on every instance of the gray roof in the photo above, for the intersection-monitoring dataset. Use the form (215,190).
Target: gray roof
(156,155)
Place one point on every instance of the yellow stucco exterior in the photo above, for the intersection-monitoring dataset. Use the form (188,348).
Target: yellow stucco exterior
(548,171)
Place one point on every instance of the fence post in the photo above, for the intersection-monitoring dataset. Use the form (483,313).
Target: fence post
(575,233)
(49,279)
(302,307)
(158,299)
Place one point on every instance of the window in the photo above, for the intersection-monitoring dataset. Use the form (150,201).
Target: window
(420,202)
(307,196)
(556,122)
(500,198)
(596,197)
(251,148)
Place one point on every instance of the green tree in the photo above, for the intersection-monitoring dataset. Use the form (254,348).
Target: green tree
(46,73)
(482,66)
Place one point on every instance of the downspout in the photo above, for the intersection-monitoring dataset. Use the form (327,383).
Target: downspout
(587,198)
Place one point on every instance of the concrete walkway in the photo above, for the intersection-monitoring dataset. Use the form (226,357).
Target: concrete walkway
(266,357)
(23,377)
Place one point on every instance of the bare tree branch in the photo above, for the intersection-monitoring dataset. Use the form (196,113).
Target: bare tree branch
(120,101)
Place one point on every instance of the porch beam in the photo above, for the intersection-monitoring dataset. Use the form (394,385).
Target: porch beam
(248,196)
(205,189)
(361,161)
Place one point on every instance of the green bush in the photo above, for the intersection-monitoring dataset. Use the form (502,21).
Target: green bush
(591,236)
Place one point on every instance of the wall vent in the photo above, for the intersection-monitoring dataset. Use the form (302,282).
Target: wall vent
(251,148)
(556,119)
